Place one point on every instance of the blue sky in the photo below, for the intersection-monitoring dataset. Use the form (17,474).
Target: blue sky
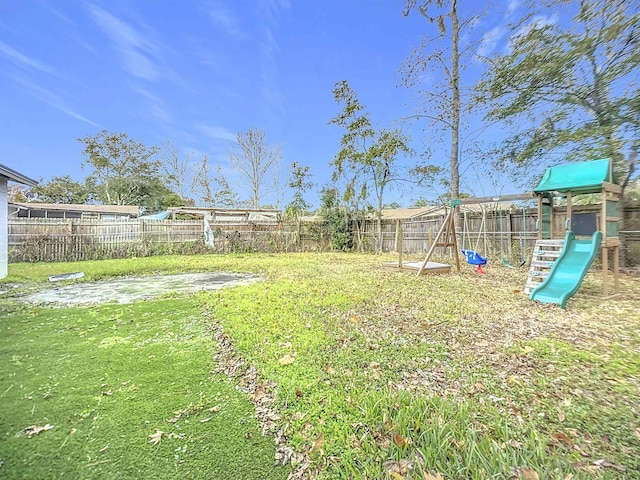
(199,71)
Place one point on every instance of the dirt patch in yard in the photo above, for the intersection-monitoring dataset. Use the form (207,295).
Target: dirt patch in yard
(127,290)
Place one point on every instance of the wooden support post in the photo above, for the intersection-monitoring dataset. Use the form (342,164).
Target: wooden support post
(616,269)
(605,271)
(509,234)
(399,242)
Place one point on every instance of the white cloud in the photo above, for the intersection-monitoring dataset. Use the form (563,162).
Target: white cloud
(53,100)
(218,133)
(513,6)
(224,19)
(133,47)
(490,41)
(539,21)
(273,7)
(155,105)
(23,60)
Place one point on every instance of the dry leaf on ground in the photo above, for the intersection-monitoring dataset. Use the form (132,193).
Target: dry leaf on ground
(286,360)
(562,438)
(529,474)
(156,438)
(429,476)
(32,430)
(399,440)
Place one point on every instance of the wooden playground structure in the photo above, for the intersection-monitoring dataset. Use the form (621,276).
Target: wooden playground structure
(564,182)
(555,192)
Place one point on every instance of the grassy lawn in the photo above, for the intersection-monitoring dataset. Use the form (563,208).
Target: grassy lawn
(377,374)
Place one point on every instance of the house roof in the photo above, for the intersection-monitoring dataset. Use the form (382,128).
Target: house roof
(131,210)
(432,211)
(16,176)
(584,177)
(231,214)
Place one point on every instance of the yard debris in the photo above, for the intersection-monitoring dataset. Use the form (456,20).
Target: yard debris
(286,360)
(606,464)
(429,476)
(66,276)
(156,437)
(32,430)
(528,474)
(562,438)
(262,394)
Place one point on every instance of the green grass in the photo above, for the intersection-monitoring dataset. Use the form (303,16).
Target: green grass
(397,376)
(108,377)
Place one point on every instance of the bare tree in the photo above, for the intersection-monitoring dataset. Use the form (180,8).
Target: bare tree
(257,162)
(178,171)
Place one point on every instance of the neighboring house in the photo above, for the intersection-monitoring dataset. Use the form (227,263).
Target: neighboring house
(67,211)
(7,174)
(436,211)
(230,215)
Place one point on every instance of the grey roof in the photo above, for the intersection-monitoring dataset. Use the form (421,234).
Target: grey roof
(130,210)
(16,176)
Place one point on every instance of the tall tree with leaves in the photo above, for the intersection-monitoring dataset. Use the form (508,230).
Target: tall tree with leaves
(366,158)
(62,190)
(575,84)
(298,183)
(257,162)
(123,171)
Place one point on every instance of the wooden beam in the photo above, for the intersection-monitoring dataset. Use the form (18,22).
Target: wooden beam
(498,198)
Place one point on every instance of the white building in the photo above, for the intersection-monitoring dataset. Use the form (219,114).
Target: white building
(7,174)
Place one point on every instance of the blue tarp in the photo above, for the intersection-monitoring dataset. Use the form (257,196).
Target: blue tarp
(156,216)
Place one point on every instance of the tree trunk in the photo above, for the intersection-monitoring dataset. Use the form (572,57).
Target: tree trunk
(455,90)
(455,111)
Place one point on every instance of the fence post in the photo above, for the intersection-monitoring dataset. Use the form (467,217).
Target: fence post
(509,234)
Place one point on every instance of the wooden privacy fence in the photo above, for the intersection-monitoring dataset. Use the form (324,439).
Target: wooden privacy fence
(52,240)
(511,235)
(42,239)
(500,236)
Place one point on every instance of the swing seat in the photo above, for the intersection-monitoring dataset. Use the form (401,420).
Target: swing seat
(474,258)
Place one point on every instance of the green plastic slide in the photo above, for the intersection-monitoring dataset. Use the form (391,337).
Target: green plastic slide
(569,270)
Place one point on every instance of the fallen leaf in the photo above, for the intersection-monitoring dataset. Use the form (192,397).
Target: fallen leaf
(156,437)
(286,360)
(562,438)
(32,430)
(515,443)
(354,319)
(215,408)
(606,464)
(429,476)
(318,444)
(529,474)
(527,349)
(299,393)
(399,440)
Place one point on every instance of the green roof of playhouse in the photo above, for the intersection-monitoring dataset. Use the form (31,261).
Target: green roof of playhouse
(584,177)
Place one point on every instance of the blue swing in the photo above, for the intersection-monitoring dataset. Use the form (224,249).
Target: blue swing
(474,258)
